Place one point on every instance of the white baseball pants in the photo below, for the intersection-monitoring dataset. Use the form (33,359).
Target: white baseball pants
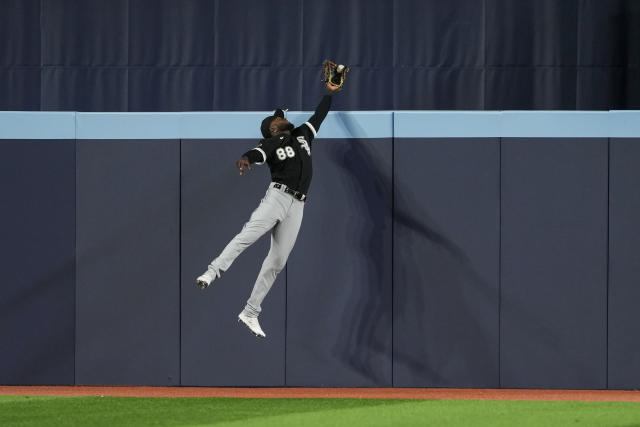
(279,213)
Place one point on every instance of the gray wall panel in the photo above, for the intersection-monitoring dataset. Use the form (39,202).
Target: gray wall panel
(554,261)
(339,273)
(624,264)
(37,238)
(446,252)
(216,202)
(128,262)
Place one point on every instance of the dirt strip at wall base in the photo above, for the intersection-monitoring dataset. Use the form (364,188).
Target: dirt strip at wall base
(358,393)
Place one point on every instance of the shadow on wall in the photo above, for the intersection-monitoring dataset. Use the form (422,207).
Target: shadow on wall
(366,335)
(442,306)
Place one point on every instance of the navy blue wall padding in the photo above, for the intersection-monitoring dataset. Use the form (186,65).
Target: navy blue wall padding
(259,33)
(233,87)
(84,88)
(20,55)
(339,274)
(451,33)
(616,42)
(612,84)
(553,263)
(172,33)
(358,32)
(405,54)
(532,32)
(518,88)
(20,33)
(20,88)
(624,264)
(507,258)
(128,261)
(439,88)
(216,202)
(37,295)
(85,33)
(445,263)
(183,89)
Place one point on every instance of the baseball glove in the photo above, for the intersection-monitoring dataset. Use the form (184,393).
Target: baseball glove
(334,73)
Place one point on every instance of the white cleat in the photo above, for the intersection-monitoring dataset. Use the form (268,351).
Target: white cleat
(205,280)
(253,325)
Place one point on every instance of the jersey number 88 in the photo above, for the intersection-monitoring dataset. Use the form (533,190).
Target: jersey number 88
(285,152)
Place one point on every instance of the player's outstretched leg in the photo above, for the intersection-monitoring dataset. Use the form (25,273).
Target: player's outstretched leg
(262,220)
(283,237)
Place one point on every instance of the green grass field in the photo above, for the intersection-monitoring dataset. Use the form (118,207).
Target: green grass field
(126,411)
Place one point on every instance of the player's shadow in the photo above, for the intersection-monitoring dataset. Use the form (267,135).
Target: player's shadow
(364,339)
(437,291)
(445,314)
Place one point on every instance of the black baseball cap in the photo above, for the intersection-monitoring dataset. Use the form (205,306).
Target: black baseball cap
(264,127)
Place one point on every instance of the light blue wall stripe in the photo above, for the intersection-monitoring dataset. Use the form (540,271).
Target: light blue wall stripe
(559,124)
(624,124)
(427,124)
(339,124)
(223,125)
(365,124)
(128,125)
(37,125)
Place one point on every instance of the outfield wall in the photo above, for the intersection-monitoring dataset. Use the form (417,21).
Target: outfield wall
(438,249)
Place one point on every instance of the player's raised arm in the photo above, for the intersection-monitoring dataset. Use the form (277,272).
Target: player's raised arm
(322,109)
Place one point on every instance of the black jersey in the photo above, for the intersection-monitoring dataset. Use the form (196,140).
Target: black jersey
(289,155)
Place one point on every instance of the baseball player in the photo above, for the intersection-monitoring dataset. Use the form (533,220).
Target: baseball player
(287,151)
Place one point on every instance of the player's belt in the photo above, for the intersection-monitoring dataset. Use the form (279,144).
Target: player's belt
(296,194)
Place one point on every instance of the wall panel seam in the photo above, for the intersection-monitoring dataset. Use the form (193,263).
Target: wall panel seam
(500,262)
(393,210)
(608,266)
(180,261)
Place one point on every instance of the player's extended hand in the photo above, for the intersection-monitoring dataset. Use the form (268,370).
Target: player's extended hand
(243,163)
(331,87)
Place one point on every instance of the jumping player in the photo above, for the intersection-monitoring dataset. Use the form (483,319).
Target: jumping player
(287,151)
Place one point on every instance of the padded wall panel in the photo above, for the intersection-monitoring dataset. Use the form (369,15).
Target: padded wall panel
(554,263)
(597,88)
(524,88)
(439,88)
(633,89)
(609,33)
(128,299)
(84,89)
(357,32)
(37,237)
(438,34)
(624,264)
(170,89)
(19,88)
(85,32)
(446,258)
(172,32)
(264,33)
(216,202)
(531,32)
(339,273)
(19,34)
(258,88)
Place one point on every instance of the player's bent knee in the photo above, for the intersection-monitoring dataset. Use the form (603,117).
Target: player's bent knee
(278,264)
